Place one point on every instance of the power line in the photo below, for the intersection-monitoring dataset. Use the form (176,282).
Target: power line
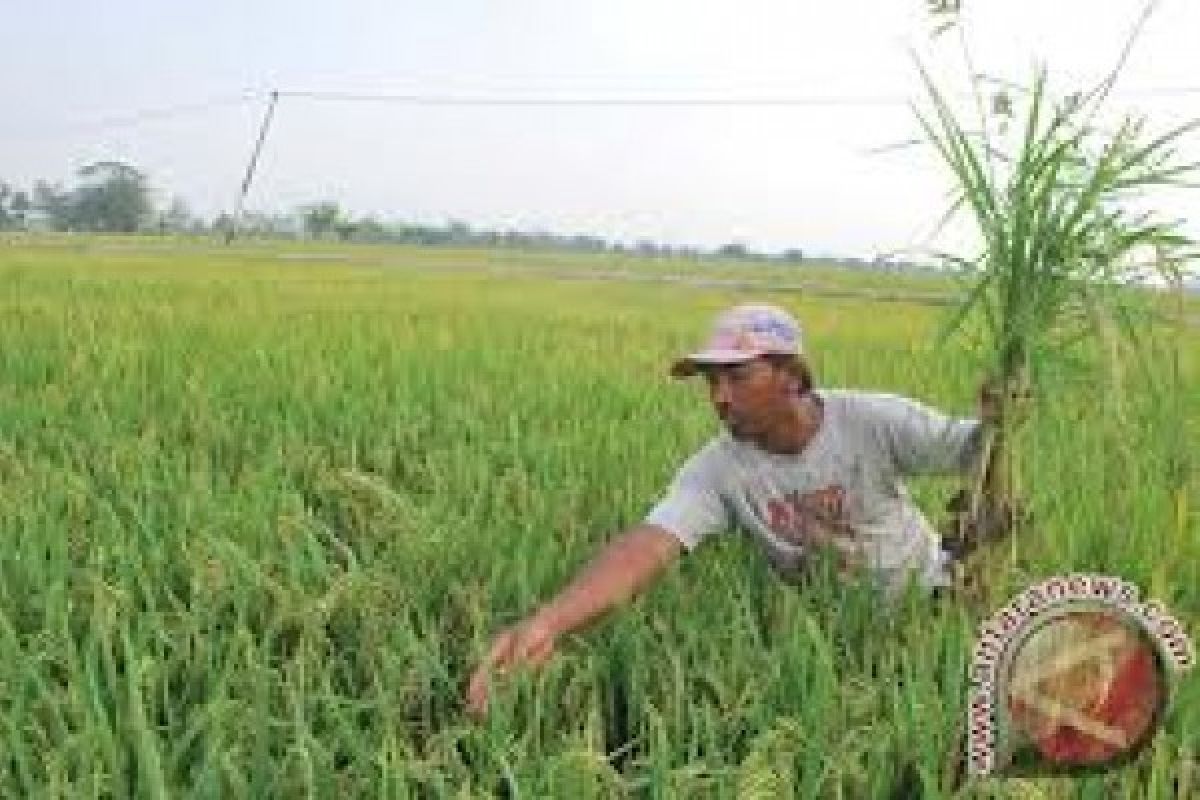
(485,100)
(152,115)
(148,115)
(665,102)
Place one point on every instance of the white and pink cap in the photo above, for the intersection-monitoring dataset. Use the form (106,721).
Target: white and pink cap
(742,334)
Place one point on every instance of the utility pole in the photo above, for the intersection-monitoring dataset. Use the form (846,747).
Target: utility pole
(258,145)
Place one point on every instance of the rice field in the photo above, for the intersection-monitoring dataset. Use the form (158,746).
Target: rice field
(261,511)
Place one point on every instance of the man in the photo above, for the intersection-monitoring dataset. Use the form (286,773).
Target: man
(799,469)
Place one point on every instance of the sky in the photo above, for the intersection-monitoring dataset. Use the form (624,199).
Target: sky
(820,174)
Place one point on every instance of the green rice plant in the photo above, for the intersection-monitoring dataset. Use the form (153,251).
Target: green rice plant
(1058,210)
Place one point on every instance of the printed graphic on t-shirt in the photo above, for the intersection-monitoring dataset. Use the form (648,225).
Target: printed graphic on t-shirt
(810,518)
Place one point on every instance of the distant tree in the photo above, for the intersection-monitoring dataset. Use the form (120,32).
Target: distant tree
(7,218)
(458,232)
(19,206)
(112,196)
(733,250)
(176,218)
(589,243)
(222,224)
(55,203)
(369,229)
(14,206)
(320,219)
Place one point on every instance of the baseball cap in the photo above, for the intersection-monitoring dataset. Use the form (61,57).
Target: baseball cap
(741,334)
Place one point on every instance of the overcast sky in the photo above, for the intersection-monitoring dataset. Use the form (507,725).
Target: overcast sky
(771,177)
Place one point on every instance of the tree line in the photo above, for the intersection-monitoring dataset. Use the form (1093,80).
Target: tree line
(327,220)
(116,197)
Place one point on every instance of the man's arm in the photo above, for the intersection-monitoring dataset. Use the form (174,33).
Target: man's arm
(921,440)
(622,569)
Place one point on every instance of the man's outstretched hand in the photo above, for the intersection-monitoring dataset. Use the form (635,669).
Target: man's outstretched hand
(627,564)
(529,643)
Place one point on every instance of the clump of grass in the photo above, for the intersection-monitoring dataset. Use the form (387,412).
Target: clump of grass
(1058,203)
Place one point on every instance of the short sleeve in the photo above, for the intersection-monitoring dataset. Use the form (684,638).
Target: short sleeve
(921,440)
(692,508)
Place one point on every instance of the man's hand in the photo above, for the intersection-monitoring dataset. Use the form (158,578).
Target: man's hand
(623,568)
(993,405)
(529,643)
(989,401)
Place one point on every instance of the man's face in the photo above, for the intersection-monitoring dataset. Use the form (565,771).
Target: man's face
(749,397)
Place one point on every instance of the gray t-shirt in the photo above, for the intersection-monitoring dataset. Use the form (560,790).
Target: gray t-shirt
(843,491)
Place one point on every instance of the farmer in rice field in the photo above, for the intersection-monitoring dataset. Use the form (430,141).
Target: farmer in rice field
(797,468)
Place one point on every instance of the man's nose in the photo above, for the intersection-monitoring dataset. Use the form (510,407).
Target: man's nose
(720,391)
